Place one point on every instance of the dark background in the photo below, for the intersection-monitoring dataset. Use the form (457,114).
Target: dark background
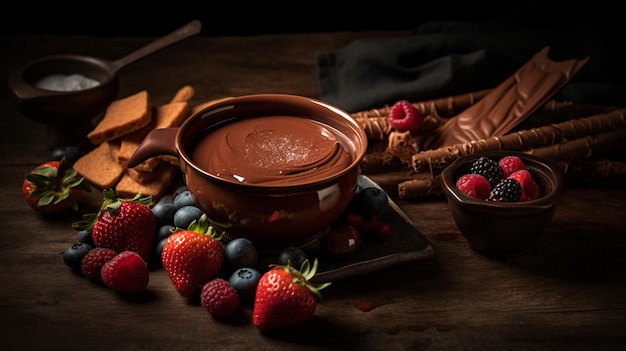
(263,17)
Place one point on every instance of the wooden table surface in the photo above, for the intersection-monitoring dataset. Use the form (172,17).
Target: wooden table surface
(569,293)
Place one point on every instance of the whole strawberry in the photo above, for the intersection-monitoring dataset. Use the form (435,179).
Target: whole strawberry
(54,187)
(285,298)
(193,256)
(123,225)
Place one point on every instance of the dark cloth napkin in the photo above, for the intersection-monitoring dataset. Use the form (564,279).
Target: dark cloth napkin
(445,58)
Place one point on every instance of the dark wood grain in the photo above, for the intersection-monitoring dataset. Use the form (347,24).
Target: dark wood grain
(567,293)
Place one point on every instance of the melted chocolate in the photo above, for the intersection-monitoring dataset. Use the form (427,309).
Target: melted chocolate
(272,150)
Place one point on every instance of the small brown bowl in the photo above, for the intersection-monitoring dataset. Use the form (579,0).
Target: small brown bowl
(69,108)
(63,109)
(502,229)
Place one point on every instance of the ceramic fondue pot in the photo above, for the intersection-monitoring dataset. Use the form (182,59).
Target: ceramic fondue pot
(276,169)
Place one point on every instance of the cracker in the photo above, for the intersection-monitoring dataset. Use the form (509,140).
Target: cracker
(164,116)
(184,94)
(141,176)
(164,174)
(122,117)
(99,167)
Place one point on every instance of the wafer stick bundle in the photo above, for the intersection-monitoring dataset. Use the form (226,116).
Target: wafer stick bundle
(382,136)
(563,153)
(554,134)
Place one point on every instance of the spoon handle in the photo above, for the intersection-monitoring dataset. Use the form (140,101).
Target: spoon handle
(190,29)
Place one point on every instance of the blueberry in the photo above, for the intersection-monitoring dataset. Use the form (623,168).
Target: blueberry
(185,215)
(179,190)
(71,152)
(167,198)
(73,255)
(245,280)
(164,231)
(292,254)
(240,252)
(184,198)
(164,212)
(370,201)
(159,248)
(86,237)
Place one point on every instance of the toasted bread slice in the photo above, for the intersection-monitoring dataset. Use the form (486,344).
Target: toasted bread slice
(99,167)
(184,94)
(164,116)
(123,116)
(161,179)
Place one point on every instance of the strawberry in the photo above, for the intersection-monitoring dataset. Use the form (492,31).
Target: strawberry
(123,225)
(285,298)
(404,116)
(193,256)
(127,273)
(54,187)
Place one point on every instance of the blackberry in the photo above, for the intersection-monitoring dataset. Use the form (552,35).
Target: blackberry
(489,169)
(508,190)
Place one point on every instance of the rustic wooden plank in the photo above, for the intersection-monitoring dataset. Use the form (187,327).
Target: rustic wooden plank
(565,294)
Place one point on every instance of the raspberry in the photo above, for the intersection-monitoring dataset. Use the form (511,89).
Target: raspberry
(474,185)
(405,116)
(510,164)
(93,261)
(127,273)
(507,190)
(219,298)
(487,168)
(530,188)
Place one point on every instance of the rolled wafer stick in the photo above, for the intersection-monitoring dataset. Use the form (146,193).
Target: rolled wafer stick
(418,188)
(376,162)
(377,125)
(581,148)
(444,107)
(598,170)
(376,128)
(436,160)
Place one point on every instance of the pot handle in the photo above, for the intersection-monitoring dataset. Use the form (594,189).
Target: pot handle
(158,142)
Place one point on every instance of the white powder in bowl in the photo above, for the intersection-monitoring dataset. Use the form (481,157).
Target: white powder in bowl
(61,82)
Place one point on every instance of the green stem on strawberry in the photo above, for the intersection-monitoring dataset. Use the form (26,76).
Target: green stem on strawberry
(110,203)
(304,275)
(53,185)
(202,226)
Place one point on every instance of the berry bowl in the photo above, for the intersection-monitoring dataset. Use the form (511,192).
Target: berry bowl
(276,169)
(497,216)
